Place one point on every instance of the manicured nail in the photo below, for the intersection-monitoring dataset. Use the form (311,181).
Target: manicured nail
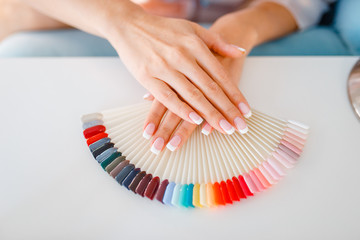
(157,145)
(241,125)
(243,50)
(226,126)
(245,110)
(206,129)
(149,131)
(195,118)
(147,95)
(174,143)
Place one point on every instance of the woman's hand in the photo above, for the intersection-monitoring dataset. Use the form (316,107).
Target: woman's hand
(172,58)
(172,132)
(167,129)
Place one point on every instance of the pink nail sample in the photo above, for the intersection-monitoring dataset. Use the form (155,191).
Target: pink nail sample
(149,131)
(174,143)
(157,145)
(195,118)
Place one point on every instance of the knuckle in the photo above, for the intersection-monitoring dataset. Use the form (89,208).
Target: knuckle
(165,130)
(195,94)
(231,110)
(167,95)
(236,97)
(214,87)
(177,54)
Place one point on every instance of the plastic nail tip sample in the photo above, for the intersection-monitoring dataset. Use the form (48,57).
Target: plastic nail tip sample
(225,193)
(169,193)
(93,123)
(244,186)
(104,155)
(218,195)
(182,196)
(88,133)
(100,150)
(96,145)
(152,188)
(161,191)
(189,195)
(130,177)
(118,168)
(114,163)
(110,159)
(123,173)
(232,192)
(140,189)
(137,179)
(239,191)
(176,196)
(196,196)
(95,138)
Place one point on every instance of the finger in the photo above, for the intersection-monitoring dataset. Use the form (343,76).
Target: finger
(192,95)
(215,70)
(153,119)
(217,44)
(164,94)
(216,96)
(206,129)
(164,131)
(180,136)
(148,96)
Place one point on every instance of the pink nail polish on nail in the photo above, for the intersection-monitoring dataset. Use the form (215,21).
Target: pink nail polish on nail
(241,125)
(226,126)
(149,131)
(157,145)
(174,143)
(195,118)
(245,110)
(206,129)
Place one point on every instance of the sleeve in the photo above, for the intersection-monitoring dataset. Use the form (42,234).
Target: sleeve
(306,12)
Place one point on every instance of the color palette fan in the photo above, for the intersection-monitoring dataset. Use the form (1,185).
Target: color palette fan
(206,171)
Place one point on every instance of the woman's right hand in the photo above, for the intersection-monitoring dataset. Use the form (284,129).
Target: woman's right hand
(173,60)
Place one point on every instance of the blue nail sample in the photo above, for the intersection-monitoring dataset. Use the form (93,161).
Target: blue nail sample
(105,154)
(123,173)
(93,123)
(168,193)
(130,177)
(189,195)
(98,144)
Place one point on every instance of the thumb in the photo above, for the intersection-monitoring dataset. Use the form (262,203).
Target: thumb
(218,45)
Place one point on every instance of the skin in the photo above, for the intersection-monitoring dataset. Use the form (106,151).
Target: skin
(187,68)
(246,28)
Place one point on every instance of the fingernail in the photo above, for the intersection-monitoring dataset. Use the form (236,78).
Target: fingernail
(241,125)
(243,50)
(245,110)
(149,131)
(147,95)
(206,129)
(195,118)
(226,126)
(157,145)
(174,143)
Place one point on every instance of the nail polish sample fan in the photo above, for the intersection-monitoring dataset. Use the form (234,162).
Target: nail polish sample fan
(207,171)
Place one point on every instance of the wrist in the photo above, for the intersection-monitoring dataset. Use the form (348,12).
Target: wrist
(117,17)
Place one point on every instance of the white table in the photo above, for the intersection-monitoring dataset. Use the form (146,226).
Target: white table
(51,188)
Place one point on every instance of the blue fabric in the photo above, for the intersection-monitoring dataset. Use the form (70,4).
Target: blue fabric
(347,23)
(315,41)
(59,43)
